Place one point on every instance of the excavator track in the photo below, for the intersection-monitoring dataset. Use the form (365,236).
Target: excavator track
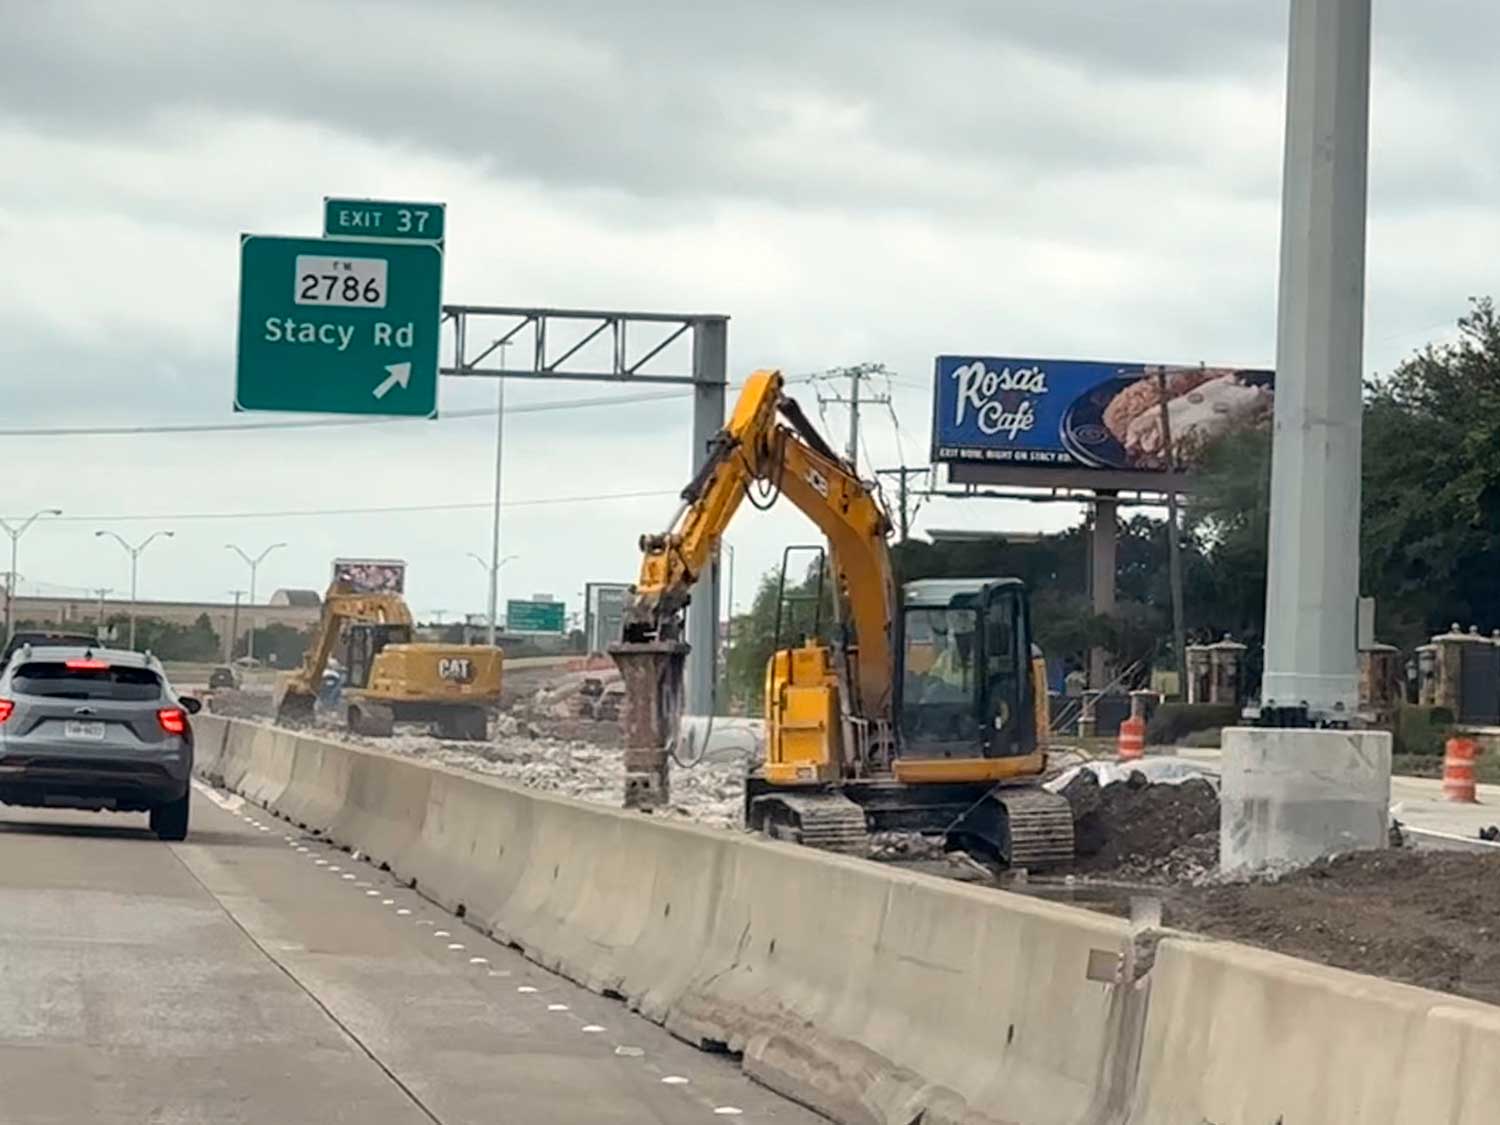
(829,821)
(1041,827)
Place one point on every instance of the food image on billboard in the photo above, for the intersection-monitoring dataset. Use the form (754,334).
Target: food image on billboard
(370,576)
(1073,414)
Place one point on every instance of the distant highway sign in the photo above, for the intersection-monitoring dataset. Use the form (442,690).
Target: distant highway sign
(534,617)
(335,326)
(383,219)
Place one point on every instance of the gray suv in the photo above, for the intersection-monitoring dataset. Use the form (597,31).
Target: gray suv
(95,728)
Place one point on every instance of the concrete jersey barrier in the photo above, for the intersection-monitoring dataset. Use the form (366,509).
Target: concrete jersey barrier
(874,995)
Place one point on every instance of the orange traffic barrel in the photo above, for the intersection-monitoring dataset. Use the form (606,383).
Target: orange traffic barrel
(1132,742)
(1458,770)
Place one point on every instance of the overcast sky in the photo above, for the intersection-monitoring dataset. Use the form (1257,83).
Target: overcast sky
(848,181)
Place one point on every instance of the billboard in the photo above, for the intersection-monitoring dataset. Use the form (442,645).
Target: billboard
(1073,415)
(370,576)
(604,613)
(534,616)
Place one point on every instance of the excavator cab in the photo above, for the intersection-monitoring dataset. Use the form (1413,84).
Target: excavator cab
(964,689)
(364,641)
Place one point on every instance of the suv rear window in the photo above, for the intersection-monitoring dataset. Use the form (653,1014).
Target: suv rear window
(56,679)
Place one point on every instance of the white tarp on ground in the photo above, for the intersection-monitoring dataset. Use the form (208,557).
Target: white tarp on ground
(1158,770)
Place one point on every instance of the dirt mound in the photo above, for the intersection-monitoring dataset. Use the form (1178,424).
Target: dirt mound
(1144,826)
(1425,918)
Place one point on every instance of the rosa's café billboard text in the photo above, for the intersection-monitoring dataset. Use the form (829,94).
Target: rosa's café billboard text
(1052,413)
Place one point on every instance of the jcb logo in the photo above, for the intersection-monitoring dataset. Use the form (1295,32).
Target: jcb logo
(459,668)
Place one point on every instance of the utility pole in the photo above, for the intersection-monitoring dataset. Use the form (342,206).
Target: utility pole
(855,401)
(15,534)
(906,508)
(234,628)
(1174,542)
(100,592)
(135,559)
(254,565)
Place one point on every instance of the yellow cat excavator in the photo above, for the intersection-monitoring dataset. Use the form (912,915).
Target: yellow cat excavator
(390,678)
(924,713)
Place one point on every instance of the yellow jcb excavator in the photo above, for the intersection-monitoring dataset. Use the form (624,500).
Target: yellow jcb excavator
(390,678)
(926,713)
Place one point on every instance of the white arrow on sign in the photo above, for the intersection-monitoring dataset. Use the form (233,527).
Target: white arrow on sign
(400,375)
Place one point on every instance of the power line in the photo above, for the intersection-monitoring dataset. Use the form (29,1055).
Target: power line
(290,513)
(319,423)
(326,423)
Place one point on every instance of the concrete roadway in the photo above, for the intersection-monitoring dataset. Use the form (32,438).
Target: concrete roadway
(255,975)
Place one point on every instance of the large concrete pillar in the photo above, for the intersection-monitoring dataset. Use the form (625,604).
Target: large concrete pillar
(1313,584)
(710,360)
(1291,793)
(1102,550)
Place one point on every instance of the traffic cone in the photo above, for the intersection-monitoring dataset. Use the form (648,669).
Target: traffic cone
(1132,741)
(1458,770)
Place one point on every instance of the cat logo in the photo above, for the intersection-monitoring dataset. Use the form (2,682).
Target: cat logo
(457,668)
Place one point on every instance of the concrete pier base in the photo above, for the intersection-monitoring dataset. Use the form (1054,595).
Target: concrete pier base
(652,673)
(1292,795)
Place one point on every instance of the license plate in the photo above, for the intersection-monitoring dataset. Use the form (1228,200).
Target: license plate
(94,732)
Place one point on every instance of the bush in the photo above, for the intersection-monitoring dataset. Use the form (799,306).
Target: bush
(1422,730)
(1175,721)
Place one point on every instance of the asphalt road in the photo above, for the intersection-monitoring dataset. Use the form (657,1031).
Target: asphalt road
(256,975)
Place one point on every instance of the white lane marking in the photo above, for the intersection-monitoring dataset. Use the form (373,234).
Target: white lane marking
(403,912)
(371,894)
(349,875)
(674,1080)
(455,946)
(229,802)
(630,1052)
(728,1110)
(387,902)
(322,863)
(479,960)
(526,988)
(263,828)
(441,933)
(591,1029)
(334,867)
(302,849)
(557,1007)
(499,972)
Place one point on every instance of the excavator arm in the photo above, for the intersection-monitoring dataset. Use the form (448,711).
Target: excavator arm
(769,444)
(299,688)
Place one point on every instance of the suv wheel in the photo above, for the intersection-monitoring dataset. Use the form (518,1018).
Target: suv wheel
(170,821)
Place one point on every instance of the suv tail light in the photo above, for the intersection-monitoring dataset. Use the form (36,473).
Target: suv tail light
(173,720)
(86,665)
(6,707)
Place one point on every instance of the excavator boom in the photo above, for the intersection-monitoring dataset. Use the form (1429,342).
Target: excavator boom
(769,445)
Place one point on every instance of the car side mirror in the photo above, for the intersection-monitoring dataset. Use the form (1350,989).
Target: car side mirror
(190,703)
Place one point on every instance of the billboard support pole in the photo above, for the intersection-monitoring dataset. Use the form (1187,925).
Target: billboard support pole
(1102,548)
(1174,541)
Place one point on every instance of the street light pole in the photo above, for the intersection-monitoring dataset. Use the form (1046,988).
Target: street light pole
(492,571)
(101,591)
(254,565)
(495,519)
(15,534)
(135,559)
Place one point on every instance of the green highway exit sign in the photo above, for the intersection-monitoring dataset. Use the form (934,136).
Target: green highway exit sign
(336,326)
(383,218)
